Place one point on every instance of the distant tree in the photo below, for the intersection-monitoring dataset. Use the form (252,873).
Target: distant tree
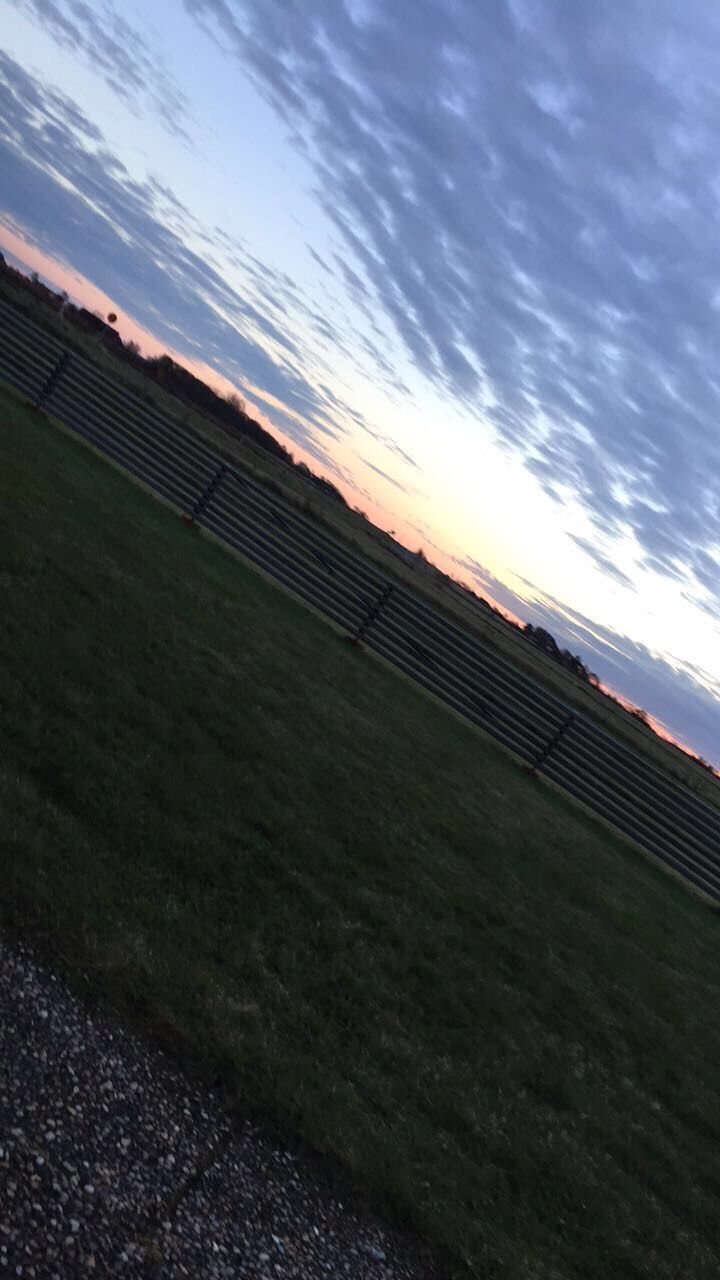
(133,348)
(640,714)
(237,403)
(549,645)
(704,764)
(542,639)
(182,383)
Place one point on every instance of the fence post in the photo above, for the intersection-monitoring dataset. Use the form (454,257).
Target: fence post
(373,612)
(52,380)
(193,518)
(551,745)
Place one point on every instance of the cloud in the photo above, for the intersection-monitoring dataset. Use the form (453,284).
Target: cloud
(356,286)
(76,198)
(124,57)
(320,261)
(400,453)
(602,561)
(397,484)
(530,195)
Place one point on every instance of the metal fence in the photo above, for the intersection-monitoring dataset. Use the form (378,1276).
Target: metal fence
(640,800)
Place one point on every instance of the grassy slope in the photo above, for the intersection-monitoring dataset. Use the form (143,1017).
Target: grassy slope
(264,847)
(376,544)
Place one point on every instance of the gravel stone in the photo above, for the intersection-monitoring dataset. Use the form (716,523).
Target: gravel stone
(113,1163)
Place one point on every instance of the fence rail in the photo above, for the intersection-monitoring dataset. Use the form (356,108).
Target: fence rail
(442,656)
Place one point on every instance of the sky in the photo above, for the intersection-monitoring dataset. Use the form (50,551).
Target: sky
(461,258)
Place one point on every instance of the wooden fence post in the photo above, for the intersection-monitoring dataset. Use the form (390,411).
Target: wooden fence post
(193,518)
(373,612)
(552,744)
(52,380)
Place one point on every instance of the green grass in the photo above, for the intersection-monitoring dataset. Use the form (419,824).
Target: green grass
(266,850)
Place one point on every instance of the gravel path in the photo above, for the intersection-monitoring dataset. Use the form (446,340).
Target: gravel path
(112,1163)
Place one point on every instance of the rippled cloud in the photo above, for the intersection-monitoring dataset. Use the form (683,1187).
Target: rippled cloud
(530,193)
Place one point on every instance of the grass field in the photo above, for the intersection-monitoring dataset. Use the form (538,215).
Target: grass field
(376,544)
(267,851)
